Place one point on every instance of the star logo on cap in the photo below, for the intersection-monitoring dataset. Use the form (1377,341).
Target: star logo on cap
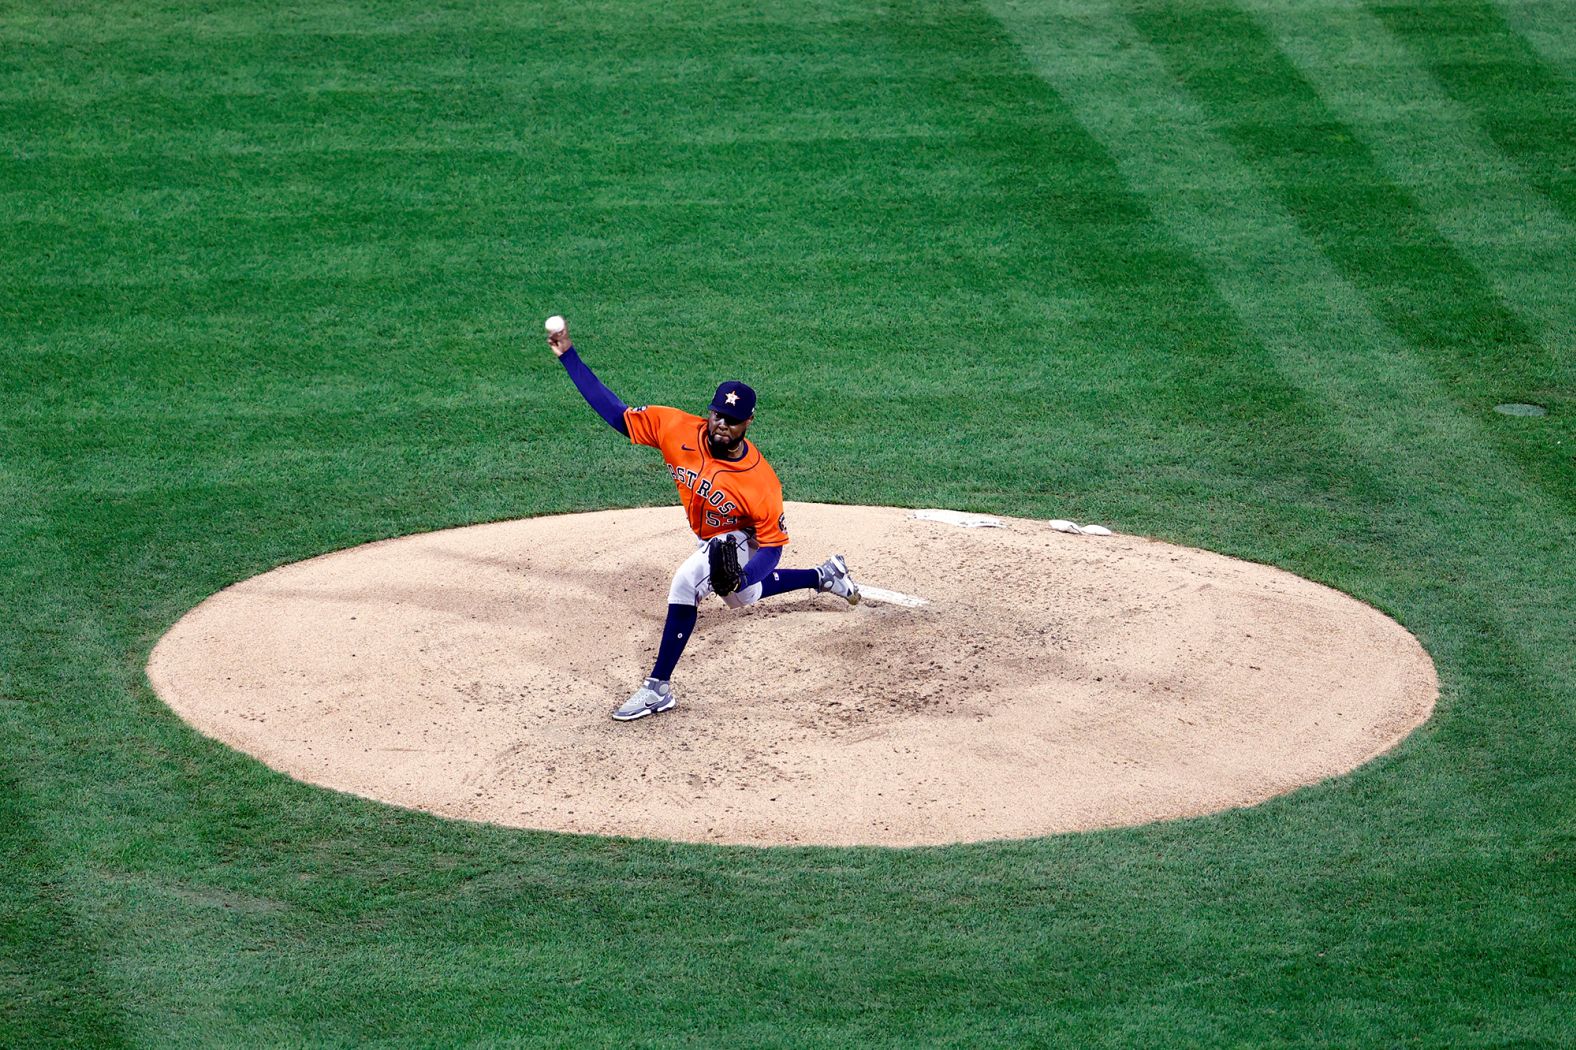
(732,398)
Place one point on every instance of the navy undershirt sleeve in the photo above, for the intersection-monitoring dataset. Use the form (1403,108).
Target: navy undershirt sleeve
(599,397)
(761,563)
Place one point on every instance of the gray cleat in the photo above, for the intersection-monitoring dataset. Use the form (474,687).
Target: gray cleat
(652,698)
(835,579)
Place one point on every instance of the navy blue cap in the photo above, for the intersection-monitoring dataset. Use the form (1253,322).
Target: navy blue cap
(734,400)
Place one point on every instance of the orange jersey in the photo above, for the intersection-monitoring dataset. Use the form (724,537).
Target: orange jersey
(719,495)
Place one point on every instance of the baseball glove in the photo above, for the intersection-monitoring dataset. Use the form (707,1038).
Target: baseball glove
(726,576)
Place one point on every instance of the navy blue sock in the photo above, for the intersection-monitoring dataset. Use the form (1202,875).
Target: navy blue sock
(780,580)
(680,625)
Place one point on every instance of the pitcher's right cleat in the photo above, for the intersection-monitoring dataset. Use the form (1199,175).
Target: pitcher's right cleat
(652,698)
(835,579)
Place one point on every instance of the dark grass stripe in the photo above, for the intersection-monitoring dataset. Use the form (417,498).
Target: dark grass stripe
(50,991)
(1528,108)
(1374,232)
(1436,149)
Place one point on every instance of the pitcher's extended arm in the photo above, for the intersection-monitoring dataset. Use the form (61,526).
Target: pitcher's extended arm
(598,396)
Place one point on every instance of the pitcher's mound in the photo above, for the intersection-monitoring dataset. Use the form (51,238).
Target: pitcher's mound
(1051,682)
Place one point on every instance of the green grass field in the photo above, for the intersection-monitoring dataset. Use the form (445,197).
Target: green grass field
(1248,276)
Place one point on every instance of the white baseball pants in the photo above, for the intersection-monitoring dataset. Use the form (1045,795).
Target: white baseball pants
(692,581)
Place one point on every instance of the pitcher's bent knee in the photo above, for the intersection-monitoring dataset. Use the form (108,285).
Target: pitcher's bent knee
(748,596)
(692,581)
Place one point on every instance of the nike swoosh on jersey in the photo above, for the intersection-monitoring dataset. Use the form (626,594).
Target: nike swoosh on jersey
(685,447)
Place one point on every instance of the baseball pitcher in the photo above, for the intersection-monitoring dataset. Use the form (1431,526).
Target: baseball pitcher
(734,503)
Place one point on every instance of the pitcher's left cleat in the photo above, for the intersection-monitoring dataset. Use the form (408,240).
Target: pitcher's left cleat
(835,579)
(652,698)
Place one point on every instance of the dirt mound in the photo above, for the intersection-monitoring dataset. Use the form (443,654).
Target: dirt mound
(1051,683)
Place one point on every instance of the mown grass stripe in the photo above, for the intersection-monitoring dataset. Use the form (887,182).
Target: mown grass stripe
(1548,28)
(1432,146)
(1528,109)
(51,993)
(51,989)
(1416,282)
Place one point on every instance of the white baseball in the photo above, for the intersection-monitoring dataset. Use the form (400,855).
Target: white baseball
(555,324)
